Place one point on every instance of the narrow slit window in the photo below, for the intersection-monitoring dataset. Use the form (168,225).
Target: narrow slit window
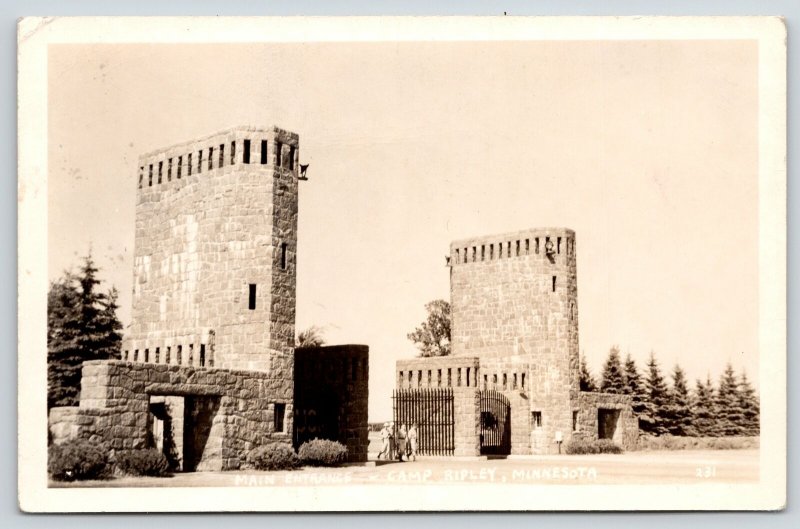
(485,382)
(536,419)
(558,245)
(147,355)
(221,154)
(189,164)
(419,378)
(191,354)
(491,251)
(233,152)
(537,245)
(150,179)
(168,355)
(449,377)
(574,420)
(251,303)
(483,252)
(458,252)
(514,382)
(494,381)
(283,256)
(125,355)
(439,378)
(554,283)
(278,153)
(210,158)
(202,355)
(135,355)
(522,380)
(180,166)
(246,151)
(505,381)
(169,170)
(527,246)
(291,157)
(509,250)
(211,356)
(430,377)
(458,378)
(141,176)
(469,377)
(179,356)
(517,248)
(279,416)
(401,379)
(199,162)
(158,355)
(160,170)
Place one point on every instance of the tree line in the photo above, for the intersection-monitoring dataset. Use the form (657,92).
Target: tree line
(729,408)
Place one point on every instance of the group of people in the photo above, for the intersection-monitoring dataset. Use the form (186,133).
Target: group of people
(399,442)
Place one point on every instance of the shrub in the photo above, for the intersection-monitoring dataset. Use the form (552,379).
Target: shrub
(78,459)
(600,446)
(322,453)
(673,442)
(144,462)
(273,457)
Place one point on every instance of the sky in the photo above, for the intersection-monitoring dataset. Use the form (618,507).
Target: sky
(647,149)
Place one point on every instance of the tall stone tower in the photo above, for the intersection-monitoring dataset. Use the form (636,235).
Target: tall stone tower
(215,255)
(514,306)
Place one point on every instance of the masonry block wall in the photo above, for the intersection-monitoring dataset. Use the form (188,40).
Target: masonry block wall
(331,395)
(227,412)
(590,409)
(215,247)
(514,305)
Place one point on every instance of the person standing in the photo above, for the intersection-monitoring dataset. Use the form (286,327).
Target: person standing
(392,440)
(401,442)
(384,441)
(412,442)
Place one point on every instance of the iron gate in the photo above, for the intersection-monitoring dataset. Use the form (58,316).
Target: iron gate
(495,423)
(432,410)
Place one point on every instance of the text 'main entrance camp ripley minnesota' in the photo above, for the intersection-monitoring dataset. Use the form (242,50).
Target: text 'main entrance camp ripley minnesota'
(367,267)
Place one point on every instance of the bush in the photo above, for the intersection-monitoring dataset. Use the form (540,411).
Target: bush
(322,453)
(78,459)
(600,446)
(273,457)
(674,442)
(145,462)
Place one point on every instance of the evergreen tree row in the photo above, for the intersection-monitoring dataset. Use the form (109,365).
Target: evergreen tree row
(731,408)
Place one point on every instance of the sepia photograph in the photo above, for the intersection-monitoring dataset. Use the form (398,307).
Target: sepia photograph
(388,264)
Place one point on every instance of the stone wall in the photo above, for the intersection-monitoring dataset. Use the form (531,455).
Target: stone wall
(238,408)
(215,253)
(587,405)
(466,407)
(437,372)
(62,423)
(331,394)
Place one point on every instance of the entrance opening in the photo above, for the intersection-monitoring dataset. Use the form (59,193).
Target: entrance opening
(607,421)
(495,419)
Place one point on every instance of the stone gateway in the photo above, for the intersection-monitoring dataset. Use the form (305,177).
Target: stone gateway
(207,370)
(514,360)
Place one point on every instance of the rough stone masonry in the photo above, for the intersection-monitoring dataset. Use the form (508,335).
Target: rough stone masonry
(207,370)
(514,304)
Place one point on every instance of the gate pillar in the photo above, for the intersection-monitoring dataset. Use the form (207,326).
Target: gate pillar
(467,401)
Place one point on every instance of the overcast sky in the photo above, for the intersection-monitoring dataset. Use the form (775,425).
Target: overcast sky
(647,149)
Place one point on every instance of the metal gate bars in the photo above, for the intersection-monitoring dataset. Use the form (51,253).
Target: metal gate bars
(495,423)
(432,410)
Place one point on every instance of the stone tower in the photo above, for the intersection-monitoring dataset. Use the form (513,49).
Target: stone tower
(215,253)
(515,307)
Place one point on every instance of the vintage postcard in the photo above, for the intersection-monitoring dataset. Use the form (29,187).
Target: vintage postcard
(402,264)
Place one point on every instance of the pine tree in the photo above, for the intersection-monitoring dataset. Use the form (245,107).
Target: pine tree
(678,410)
(748,402)
(82,325)
(586,379)
(634,386)
(730,415)
(704,416)
(612,380)
(656,388)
